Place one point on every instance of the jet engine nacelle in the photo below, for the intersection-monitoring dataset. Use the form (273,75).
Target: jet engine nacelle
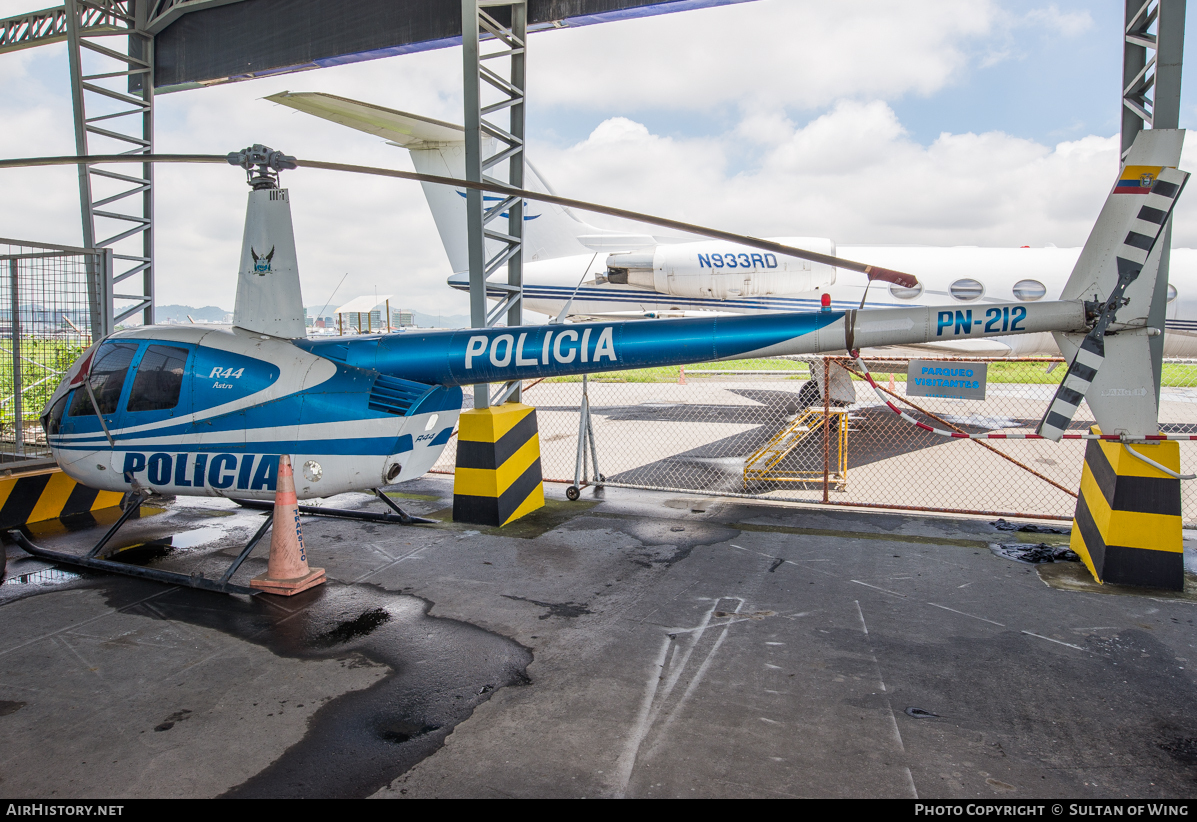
(722,271)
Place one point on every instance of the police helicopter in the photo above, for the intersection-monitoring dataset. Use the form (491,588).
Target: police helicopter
(209,410)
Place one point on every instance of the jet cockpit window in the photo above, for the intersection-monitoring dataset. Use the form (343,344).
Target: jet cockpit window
(906,293)
(108,371)
(1029,290)
(159,379)
(966,290)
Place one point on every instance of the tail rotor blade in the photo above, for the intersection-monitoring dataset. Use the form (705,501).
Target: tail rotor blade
(1072,390)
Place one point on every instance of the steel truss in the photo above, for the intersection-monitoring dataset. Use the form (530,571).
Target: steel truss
(1151,60)
(494,31)
(1152,54)
(39,28)
(113,101)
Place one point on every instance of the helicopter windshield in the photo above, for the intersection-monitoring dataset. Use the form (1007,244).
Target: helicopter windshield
(107,379)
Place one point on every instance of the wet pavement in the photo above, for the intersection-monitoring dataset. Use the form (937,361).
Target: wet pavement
(628,644)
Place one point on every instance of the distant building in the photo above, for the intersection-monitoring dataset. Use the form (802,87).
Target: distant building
(402,319)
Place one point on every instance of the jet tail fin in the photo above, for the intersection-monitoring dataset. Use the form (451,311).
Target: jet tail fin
(438,148)
(1115,275)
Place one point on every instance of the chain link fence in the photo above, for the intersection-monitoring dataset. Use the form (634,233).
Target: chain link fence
(761,428)
(49,302)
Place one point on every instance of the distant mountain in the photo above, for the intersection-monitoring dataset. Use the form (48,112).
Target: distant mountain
(178,313)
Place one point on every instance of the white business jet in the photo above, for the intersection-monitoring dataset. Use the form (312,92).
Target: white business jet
(574,269)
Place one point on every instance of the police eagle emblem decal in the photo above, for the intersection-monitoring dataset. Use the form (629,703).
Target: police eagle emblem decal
(261,264)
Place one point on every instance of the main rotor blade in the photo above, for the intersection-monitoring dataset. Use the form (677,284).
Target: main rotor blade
(873,272)
(1073,388)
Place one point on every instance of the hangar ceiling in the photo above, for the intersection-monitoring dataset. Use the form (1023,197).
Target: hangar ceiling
(200,42)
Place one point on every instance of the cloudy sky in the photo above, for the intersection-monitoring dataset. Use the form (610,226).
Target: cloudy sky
(933,122)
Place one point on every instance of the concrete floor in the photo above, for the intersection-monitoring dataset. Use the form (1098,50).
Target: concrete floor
(629,644)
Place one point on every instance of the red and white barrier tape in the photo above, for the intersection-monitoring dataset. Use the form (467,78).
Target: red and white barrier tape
(991,436)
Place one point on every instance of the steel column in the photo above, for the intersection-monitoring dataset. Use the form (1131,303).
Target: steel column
(15,325)
(494,30)
(1152,55)
(120,96)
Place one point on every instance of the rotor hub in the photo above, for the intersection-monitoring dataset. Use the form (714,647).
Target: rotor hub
(262,165)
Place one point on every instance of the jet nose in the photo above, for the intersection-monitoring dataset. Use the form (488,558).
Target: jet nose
(460,281)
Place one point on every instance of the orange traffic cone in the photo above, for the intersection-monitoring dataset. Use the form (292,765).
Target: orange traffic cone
(287,572)
(891,382)
(681,375)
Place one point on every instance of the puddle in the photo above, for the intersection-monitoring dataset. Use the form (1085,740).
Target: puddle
(1183,750)
(1190,559)
(351,629)
(439,671)
(1074,576)
(144,553)
(197,537)
(566,610)
(554,514)
(46,577)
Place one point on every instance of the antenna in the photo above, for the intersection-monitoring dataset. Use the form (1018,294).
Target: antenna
(333,294)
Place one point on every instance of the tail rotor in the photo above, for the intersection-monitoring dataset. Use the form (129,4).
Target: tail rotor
(1120,260)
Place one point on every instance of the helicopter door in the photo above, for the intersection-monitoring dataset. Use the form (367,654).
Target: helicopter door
(107,377)
(160,395)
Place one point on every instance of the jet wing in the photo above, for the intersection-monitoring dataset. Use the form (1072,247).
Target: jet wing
(409,131)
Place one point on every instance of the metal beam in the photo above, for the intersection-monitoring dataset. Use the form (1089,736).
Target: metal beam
(1152,54)
(39,28)
(489,147)
(201,42)
(161,13)
(108,201)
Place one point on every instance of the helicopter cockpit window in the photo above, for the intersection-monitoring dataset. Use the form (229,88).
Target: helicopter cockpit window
(108,371)
(159,379)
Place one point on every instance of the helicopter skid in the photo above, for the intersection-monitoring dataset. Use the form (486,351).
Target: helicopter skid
(195,580)
(401,517)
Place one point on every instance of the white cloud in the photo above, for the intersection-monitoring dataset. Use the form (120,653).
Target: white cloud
(1010,30)
(377,230)
(770,54)
(1069,24)
(854,175)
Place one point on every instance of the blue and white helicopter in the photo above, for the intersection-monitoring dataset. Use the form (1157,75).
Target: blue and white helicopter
(208,410)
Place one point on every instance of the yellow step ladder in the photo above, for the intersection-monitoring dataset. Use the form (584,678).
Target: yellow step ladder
(807,427)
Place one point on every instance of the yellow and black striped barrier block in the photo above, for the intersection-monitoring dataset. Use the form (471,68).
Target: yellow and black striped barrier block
(497,479)
(48,494)
(1127,528)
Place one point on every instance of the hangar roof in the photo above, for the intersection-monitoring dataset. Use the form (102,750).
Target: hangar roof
(201,42)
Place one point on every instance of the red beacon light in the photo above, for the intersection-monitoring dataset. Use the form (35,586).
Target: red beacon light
(826,301)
